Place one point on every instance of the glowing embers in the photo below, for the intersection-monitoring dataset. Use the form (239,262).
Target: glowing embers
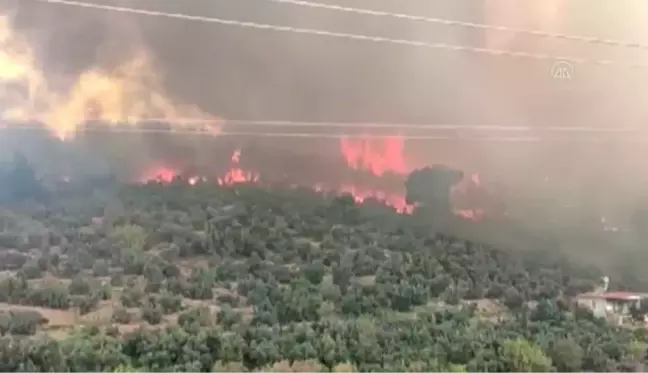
(361,195)
(236,175)
(164,174)
(376,163)
(161,174)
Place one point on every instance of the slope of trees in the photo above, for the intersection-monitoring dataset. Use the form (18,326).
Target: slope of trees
(173,277)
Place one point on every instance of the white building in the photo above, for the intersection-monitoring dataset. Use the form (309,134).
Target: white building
(612,305)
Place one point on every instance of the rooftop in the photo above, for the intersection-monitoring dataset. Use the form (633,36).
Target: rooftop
(614,295)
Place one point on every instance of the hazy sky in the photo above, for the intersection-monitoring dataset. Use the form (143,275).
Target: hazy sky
(252,74)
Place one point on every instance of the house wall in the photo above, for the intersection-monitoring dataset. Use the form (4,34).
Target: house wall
(603,307)
(598,306)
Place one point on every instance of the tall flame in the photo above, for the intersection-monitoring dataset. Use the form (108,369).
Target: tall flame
(237,175)
(22,84)
(469,199)
(380,156)
(376,155)
(121,96)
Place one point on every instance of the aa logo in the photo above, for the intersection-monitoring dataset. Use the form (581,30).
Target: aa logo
(562,70)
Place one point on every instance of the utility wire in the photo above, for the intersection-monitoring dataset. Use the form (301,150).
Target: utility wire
(342,35)
(448,22)
(369,125)
(470,138)
(197,125)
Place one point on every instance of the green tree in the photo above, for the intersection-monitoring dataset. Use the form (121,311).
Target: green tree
(151,314)
(32,270)
(131,238)
(567,355)
(520,355)
(122,316)
(79,286)
(126,369)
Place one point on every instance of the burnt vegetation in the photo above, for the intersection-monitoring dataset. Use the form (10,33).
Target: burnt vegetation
(203,278)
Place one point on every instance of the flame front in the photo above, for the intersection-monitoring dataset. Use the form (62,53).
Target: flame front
(381,156)
(470,199)
(378,157)
(160,174)
(375,155)
(23,85)
(132,91)
(236,175)
(122,96)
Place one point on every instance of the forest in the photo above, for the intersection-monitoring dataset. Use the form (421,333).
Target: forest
(202,278)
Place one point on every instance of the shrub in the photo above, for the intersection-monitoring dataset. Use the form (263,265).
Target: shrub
(200,316)
(122,316)
(31,270)
(100,268)
(152,315)
(79,286)
(21,322)
(169,303)
(131,297)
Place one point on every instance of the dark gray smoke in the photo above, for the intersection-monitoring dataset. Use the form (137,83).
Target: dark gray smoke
(263,75)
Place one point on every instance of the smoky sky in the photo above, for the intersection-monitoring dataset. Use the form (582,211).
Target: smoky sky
(253,74)
(259,74)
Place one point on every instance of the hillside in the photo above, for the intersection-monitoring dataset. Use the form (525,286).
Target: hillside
(199,278)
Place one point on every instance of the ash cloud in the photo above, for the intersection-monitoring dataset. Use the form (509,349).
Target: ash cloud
(261,75)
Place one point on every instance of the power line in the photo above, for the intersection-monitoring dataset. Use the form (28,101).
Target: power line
(458,138)
(447,22)
(527,139)
(209,125)
(342,35)
(378,125)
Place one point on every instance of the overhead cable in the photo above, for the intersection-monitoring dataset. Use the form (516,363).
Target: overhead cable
(208,125)
(343,35)
(386,125)
(448,22)
(455,137)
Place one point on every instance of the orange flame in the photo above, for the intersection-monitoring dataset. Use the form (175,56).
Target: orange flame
(160,174)
(121,96)
(467,192)
(377,156)
(236,175)
(380,156)
(360,195)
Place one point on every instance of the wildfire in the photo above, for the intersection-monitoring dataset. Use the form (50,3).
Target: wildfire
(469,197)
(159,174)
(122,96)
(133,90)
(381,156)
(377,156)
(397,201)
(236,175)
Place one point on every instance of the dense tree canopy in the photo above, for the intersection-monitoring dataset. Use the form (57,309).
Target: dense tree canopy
(198,278)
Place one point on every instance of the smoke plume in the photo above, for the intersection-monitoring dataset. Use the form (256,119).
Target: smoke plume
(63,66)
